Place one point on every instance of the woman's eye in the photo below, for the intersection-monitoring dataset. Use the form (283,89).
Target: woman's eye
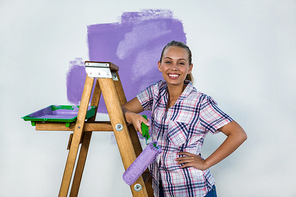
(167,62)
(182,63)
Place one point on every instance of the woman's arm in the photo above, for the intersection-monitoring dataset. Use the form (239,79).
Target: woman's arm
(235,137)
(131,110)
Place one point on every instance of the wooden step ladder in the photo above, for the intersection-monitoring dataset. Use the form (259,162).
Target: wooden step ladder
(107,81)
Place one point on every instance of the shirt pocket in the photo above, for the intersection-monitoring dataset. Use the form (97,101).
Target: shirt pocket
(177,132)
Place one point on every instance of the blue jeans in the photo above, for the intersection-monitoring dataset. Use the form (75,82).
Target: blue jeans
(211,193)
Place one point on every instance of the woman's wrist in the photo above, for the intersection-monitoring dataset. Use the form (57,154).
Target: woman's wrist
(207,164)
(128,116)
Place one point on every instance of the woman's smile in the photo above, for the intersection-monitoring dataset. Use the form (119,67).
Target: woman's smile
(173,75)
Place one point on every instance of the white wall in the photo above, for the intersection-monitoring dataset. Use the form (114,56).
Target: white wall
(244,57)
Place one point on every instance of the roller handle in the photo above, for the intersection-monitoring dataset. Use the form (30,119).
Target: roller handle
(145,130)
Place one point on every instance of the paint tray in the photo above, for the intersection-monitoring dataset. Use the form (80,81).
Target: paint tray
(58,113)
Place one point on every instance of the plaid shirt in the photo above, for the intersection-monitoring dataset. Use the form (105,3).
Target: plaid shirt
(181,128)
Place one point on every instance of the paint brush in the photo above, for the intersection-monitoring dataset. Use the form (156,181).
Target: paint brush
(145,130)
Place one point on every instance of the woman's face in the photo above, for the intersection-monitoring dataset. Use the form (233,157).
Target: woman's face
(174,65)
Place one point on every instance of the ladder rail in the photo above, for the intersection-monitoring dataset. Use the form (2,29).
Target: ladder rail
(85,145)
(77,134)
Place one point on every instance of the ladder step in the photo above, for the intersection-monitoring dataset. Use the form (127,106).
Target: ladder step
(88,126)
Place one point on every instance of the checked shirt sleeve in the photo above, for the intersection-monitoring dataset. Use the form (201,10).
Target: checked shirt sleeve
(146,97)
(212,117)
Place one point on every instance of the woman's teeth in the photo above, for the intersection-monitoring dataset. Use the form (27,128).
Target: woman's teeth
(173,75)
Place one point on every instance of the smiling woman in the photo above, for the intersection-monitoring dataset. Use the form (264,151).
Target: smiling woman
(180,119)
(187,56)
(175,65)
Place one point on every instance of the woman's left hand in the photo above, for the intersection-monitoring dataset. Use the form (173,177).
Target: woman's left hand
(191,160)
(235,137)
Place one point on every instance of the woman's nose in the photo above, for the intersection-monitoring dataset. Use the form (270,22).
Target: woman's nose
(174,67)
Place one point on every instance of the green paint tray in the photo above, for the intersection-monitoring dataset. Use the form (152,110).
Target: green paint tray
(58,113)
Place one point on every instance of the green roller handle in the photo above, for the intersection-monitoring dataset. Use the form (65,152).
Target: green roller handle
(145,130)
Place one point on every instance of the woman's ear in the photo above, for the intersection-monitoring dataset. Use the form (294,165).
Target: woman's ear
(190,68)
(159,66)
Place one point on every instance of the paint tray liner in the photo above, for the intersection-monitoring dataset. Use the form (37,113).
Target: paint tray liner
(58,113)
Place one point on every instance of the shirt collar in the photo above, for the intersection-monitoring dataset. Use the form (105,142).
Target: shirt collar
(187,91)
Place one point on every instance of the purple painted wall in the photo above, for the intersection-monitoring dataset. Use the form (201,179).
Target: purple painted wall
(134,44)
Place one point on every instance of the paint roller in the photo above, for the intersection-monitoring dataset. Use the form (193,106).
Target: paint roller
(141,163)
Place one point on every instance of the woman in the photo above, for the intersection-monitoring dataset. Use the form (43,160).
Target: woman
(180,119)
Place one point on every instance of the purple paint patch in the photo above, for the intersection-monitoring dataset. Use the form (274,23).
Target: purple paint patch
(134,44)
(75,81)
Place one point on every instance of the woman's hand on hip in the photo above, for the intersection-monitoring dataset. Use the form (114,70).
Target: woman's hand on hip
(191,160)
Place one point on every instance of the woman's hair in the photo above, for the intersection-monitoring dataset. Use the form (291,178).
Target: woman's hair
(184,46)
